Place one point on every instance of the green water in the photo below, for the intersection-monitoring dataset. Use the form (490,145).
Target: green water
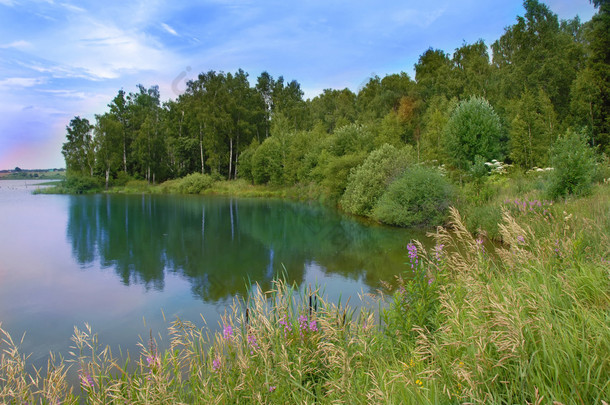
(128,264)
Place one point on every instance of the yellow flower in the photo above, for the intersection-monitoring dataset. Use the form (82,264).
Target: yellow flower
(418,382)
(461,364)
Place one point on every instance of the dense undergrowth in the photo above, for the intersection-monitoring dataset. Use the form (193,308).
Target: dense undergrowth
(525,321)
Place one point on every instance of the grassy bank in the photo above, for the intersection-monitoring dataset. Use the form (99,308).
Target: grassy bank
(522,322)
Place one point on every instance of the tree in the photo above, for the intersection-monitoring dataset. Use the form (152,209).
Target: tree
(472,69)
(434,121)
(108,134)
(434,75)
(264,87)
(148,146)
(334,109)
(473,129)
(532,130)
(78,150)
(119,108)
(536,52)
(597,77)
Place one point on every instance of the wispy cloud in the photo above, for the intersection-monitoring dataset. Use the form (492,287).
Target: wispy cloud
(21,82)
(20,44)
(169,29)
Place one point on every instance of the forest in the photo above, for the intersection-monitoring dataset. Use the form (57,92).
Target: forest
(542,86)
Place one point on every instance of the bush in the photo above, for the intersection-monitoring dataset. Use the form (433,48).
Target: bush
(367,182)
(350,139)
(267,163)
(336,171)
(194,183)
(121,179)
(420,197)
(573,162)
(244,166)
(79,184)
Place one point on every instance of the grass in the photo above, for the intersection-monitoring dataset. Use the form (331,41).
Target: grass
(523,321)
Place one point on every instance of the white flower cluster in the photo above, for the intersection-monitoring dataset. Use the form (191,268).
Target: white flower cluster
(540,170)
(497,167)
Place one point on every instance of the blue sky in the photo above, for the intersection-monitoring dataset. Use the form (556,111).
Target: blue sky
(61,58)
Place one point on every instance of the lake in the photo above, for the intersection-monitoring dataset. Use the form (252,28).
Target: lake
(129,264)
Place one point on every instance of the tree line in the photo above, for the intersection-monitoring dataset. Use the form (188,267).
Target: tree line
(543,77)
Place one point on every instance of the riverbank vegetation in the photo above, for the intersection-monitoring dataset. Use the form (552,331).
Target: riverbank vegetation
(467,322)
(466,116)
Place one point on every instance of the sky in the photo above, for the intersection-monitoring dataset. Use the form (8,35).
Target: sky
(62,58)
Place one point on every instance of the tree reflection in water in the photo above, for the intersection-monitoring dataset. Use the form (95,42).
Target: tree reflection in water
(218,243)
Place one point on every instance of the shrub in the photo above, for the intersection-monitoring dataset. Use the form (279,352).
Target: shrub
(244,165)
(367,182)
(420,197)
(335,172)
(350,139)
(574,166)
(194,183)
(267,162)
(79,184)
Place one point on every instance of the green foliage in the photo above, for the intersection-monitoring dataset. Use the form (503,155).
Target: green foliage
(415,303)
(245,162)
(336,171)
(78,150)
(574,165)
(267,162)
(473,129)
(352,138)
(420,197)
(81,184)
(367,182)
(195,183)
(533,129)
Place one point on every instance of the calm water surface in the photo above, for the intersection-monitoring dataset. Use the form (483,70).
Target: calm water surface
(121,262)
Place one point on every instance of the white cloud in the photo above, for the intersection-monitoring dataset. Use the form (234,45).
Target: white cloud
(21,44)
(104,51)
(21,82)
(73,8)
(169,29)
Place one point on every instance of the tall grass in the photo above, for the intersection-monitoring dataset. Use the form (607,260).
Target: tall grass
(522,322)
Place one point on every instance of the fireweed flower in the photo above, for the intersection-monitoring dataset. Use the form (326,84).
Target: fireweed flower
(521,239)
(313,326)
(86,381)
(216,364)
(439,253)
(153,360)
(303,322)
(412,252)
(253,344)
(227,331)
(287,327)
(272,388)
(480,245)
